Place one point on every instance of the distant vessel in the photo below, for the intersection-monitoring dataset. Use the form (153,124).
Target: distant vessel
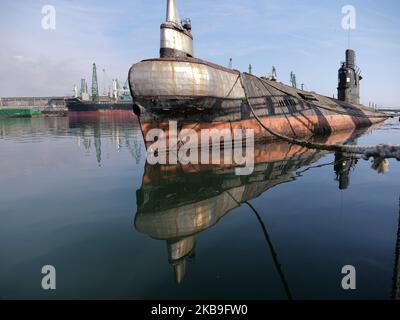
(17,112)
(117,99)
(76,104)
(202,95)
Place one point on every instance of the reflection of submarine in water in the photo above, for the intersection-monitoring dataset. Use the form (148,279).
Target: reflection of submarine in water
(201,95)
(344,163)
(176,202)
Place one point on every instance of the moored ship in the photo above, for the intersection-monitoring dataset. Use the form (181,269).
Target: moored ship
(201,95)
(118,98)
(76,104)
(17,112)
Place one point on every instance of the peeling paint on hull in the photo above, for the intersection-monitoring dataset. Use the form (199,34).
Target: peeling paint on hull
(291,126)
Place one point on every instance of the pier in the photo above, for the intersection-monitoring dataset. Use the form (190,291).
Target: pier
(37,102)
(394,111)
(33,106)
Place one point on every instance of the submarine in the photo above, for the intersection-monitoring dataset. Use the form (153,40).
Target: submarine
(198,94)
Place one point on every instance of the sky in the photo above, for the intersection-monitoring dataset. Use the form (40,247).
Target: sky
(303,36)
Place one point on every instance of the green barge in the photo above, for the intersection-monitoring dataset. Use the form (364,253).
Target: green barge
(19,113)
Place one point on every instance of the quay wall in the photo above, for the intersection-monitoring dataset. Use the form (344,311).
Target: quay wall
(39,102)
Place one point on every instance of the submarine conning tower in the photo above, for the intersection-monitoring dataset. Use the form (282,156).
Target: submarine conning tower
(176,35)
(349,79)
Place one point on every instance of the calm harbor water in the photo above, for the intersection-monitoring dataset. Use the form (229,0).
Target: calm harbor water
(76,193)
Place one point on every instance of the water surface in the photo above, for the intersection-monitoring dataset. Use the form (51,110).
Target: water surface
(77,193)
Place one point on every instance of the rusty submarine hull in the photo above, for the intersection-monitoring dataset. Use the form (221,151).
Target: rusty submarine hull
(201,95)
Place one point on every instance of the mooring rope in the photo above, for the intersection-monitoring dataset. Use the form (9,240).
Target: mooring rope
(274,255)
(382,151)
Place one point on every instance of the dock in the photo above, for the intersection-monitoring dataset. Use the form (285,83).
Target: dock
(24,107)
(37,102)
(394,111)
